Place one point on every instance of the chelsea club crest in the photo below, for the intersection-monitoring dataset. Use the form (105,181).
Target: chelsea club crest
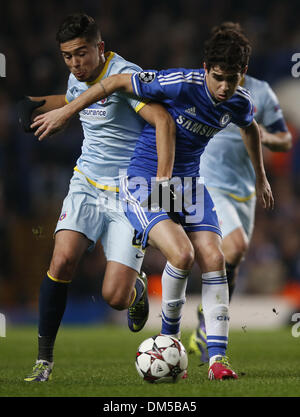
(225,119)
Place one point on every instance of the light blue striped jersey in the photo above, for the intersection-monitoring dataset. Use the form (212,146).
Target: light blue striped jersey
(225,163)
(197,115)
(111,126)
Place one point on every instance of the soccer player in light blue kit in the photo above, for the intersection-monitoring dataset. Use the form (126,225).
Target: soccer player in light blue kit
(89,212)
(230,178)
(202,102)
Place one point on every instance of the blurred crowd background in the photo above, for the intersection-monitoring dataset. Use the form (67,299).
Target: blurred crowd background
(34,177)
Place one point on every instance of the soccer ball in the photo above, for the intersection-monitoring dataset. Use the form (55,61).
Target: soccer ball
(161,359)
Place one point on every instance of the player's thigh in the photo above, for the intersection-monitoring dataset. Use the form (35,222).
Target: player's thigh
(236,239)
(117,242)
(124,260)
(227,212)
(69,247)
(208,250)
(171,239)
(246,212)
(235,245)
(83,210)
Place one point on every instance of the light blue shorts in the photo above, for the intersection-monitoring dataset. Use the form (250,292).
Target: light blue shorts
(98,214)
(233,214)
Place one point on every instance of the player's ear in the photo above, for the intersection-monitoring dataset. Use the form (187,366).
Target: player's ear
(205,68)
(101,47)
(245,70)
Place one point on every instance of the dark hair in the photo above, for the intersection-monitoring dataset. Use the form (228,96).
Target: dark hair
(228,26)
(228,48)
(78,25)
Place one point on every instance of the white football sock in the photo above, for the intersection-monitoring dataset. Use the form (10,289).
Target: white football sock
(215,303)
(174,283)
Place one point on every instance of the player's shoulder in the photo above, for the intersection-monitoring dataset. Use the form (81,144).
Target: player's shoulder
(261,90)
(74,85)
(72,80)
(243,93)
(256,85)
(184,76)
(242,97)
(183,72)
(117,65)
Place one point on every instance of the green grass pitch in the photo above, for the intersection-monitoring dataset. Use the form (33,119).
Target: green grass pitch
(99,362)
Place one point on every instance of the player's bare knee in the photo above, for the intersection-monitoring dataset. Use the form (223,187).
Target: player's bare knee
(214,259)
(118,304)
(182,258)
(118,301)
(63,266)
(237,252)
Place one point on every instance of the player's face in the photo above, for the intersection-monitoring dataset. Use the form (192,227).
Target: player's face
(221,84)
(84,59)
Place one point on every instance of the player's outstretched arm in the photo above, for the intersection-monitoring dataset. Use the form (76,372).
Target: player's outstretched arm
(29,107)
(276,142)
(52,102)
(251,137)
(49,123)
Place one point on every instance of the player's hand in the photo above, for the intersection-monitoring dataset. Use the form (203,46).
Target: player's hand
(49,123)
(168,196)
(25,108)
(264,193)
(162,195)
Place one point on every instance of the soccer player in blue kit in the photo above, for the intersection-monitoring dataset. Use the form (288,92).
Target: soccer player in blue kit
(202,102)
(230,179)
(110,129)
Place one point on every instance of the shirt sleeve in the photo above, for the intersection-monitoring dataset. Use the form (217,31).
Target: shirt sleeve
(133,101)
(245,113)
(69,96)
(271,110)
(158,85)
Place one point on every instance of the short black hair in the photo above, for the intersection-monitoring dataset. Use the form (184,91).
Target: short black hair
(78,25)
(228,48)
(228,25)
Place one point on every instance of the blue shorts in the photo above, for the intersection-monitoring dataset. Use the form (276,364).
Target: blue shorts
(198,214)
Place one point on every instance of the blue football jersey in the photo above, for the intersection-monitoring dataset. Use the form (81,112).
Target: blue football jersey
(197,115)
(226,164)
